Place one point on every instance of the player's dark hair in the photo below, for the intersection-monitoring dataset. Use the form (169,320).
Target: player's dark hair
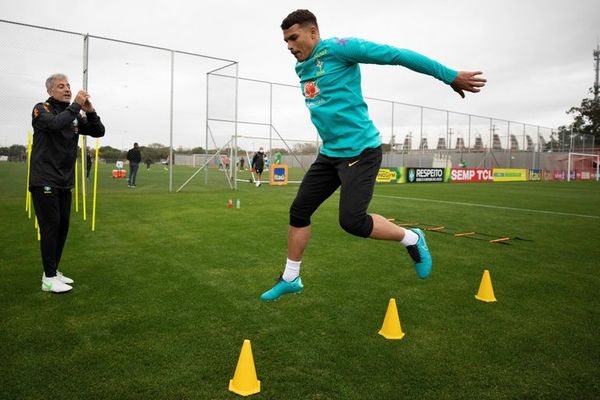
(302,17)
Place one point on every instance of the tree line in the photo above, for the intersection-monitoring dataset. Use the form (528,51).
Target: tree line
(586,121)
(154,152)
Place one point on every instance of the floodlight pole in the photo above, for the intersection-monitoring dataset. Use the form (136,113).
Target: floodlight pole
(86,44)
(569,168)
(538,148)
(271,119)
(422,144)
(86,41)
(469,142)
(392,147)
(171,124)
(448,136)
(509,144)
(206,129)
(234,152)
(597,69)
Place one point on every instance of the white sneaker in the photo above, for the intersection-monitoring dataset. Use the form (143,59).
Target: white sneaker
(61,277)
(64,279)
(54,285)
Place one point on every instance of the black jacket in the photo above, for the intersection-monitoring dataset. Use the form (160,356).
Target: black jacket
(56,130)
(258,161)
(134,156)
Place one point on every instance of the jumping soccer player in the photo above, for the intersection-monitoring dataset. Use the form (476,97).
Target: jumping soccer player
(351,153)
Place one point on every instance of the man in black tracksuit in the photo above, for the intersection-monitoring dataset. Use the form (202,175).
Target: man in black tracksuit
(258,163)
(88,163)
(56,129)
(134,156)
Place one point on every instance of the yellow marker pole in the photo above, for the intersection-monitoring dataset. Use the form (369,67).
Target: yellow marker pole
(27,194)
(83,163)
(28,199)
(76,188)
(37,228)
(95,187)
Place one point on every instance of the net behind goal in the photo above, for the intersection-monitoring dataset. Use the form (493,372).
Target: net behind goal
(582,166)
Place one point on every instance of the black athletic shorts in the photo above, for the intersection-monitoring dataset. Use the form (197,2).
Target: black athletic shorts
(356,177)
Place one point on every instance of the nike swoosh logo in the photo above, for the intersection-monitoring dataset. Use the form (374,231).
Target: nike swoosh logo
(352,163)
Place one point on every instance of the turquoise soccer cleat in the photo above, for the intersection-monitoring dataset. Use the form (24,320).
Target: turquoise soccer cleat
(420,255)
(282,287)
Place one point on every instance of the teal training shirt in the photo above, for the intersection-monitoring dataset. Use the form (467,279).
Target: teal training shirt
(330,83)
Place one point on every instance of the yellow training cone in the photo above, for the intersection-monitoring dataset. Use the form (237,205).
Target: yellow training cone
(244,380)
(486,291)
(391,323)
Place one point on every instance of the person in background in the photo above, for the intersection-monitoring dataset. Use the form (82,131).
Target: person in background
(57,124)
(258,163)
(88,163)
(134,156)
(226,162)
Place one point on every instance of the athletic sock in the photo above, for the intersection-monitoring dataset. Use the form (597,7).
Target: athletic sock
(292,270)
(410,238)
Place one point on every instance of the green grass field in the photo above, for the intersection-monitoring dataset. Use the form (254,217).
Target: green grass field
(167,288)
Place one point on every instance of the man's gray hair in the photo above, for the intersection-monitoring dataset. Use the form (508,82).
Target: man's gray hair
(54,77)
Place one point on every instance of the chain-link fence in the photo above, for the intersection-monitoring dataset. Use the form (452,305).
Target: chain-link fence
(197,104)
(273,116)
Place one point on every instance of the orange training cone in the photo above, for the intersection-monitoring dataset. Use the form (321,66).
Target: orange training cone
(391,328)
(244,380)
(486,291)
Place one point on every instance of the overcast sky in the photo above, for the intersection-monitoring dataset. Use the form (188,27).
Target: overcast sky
(536,54)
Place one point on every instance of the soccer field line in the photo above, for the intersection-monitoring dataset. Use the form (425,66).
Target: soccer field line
(490,206)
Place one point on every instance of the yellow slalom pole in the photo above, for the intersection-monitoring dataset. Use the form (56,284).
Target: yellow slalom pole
(27,194)
(29,200)
(83,162)
(76,187)
(36,226)
(95,187)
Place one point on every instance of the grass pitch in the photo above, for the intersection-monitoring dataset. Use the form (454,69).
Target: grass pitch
(167,289)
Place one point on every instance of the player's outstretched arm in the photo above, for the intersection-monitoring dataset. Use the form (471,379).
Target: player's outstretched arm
(467,81)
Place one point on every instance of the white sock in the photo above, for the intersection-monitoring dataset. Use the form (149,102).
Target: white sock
(292,270)
(410,238)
